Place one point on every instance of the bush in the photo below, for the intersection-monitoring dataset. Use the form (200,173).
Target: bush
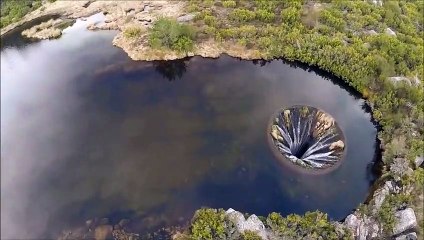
(290,15)
(168,33)
(132,32)
(210,20)
(242,15)
(208,224)
(12,11)
(312,224)
(265,15)
(229,3)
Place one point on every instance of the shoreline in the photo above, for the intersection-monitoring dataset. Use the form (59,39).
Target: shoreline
(138,49)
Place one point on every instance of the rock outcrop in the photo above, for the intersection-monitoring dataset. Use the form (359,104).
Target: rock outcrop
(46,30)
(362,228)
(405,221)
(408,236)
(418,161)
(252,223)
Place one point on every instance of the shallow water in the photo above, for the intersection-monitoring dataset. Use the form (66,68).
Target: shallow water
(86,132)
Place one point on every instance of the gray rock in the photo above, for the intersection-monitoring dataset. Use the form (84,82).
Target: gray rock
(390,32)
(400,167)
(351,222)
(418,161)
(405,220)
(408,236)
(380,194)
(362,228)
(399,79)
(371,32)
(253,223)
(186,18)
(377,2)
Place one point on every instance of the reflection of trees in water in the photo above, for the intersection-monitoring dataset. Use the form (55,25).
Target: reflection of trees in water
(261,62)
(171,70)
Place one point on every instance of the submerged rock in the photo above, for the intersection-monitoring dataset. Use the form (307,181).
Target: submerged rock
(103,232)
(338,144)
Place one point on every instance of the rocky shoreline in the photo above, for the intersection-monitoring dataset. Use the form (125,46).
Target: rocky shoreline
(122,15)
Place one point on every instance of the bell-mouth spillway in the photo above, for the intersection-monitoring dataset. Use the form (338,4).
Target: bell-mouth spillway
(308,138)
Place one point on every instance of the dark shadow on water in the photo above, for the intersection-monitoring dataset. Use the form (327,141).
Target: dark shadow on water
(171,70)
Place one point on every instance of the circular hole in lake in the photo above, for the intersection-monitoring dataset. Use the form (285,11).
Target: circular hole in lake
(308,138)
(87,132)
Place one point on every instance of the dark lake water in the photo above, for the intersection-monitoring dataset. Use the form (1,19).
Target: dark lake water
(86,132)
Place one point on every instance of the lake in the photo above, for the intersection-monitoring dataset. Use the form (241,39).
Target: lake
(86,132)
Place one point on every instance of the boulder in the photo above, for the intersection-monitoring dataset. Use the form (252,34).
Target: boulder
(390,32)
(377,2)
(400,167)
(362,228)
(338,144)
(405,221)
(408,236)
(418,161)
(186,18)
(381,193)
(253,223)
(398,79)
(371,32)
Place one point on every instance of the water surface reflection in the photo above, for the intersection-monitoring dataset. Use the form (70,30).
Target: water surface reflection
(86,132)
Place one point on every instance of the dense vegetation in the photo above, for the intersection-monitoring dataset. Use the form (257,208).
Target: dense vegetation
(12,10)
(168,33)
(211,224)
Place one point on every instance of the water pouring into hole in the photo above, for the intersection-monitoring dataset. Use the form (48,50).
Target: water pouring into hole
(307,137)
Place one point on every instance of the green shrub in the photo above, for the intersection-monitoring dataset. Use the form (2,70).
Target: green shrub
(386,213)
(210,20)
(242,15)
(208,224)
(312,224)
(183,44)
(208,3)
(247,31)
(12,10)
(168,33)
(290,15)
(132,32)
(265,15)
(229,3)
